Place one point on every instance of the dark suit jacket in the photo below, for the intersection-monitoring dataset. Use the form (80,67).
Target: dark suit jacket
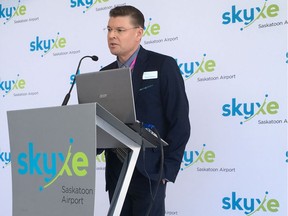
(163,103)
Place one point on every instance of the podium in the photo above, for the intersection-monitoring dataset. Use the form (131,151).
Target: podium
(54,158)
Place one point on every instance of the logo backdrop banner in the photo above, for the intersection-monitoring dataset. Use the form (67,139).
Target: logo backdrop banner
(233,56)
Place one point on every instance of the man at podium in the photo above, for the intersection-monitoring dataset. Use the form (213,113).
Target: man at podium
(160,100)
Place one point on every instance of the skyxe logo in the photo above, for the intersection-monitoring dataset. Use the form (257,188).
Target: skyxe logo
(250,206)
(188,70)
(88,4)
(7,86)
(248,16)
(249,110)
(47,165)
(5,159)
(47,45)
(192,157)
(8,13)
(152,29)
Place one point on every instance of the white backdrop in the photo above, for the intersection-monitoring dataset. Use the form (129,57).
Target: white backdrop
(233,56)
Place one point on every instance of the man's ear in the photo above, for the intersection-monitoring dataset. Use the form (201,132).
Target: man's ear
(140,33)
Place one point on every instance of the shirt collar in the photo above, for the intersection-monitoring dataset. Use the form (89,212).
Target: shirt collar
(129,61)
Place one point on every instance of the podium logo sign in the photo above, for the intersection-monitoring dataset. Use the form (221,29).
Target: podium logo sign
(52,165)
(249,16)
(250,206)
(250,110)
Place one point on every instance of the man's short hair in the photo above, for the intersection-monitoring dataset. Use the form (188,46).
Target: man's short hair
(127,10)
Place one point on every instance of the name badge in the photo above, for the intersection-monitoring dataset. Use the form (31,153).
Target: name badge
(150,75)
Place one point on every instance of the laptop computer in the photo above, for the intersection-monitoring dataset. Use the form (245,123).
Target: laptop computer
(113,90)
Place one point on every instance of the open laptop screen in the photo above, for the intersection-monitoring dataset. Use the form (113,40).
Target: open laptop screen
(112,89)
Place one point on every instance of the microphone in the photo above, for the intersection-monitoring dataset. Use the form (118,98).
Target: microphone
(67,97)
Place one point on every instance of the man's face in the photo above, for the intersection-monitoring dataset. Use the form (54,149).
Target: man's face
(123,37)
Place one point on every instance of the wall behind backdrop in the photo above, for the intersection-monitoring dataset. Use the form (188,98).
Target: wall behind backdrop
(233,56)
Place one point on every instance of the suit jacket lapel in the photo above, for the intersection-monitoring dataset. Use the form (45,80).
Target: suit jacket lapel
(138,71)
(114,65)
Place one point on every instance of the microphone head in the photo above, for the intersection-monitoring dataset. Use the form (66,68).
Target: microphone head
(94,58)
